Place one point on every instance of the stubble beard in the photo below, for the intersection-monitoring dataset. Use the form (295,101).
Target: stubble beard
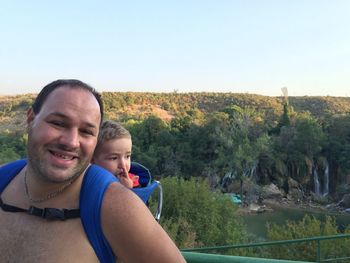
(44,170)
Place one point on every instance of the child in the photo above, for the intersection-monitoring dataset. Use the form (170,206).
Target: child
(113,152)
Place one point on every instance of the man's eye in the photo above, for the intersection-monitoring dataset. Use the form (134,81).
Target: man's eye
(56,123)
(88,132)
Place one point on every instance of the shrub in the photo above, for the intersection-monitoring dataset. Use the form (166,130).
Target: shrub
(195,216)
(309,226)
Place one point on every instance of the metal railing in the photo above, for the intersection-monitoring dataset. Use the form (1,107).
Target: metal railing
(195,257)
(221,258)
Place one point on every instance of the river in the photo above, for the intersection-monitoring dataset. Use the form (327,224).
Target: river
(256,223)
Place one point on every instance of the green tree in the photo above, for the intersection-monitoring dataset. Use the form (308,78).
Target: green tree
(284,120)
(298,145)
(155,146)
(247,141)
(13,146)
(339,148)
(195,216)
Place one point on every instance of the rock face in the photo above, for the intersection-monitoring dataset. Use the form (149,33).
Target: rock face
(295,194)
(292,183)
(345,201)
(294,191)
(271,191)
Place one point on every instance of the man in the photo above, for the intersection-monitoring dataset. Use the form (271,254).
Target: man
(63,125)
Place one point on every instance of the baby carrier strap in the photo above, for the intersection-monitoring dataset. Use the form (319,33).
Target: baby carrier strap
(145,192)
(9,171)
(95,183)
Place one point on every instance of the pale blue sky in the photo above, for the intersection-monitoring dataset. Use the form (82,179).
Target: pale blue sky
(245,46)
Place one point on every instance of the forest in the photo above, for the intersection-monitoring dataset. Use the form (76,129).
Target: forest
(213,143)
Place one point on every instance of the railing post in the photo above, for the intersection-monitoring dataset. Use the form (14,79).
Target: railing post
(318,259)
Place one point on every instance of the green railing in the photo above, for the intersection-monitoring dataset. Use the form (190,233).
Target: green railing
(192,257)
(195,257)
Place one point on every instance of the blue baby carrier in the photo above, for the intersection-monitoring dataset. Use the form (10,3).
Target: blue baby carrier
(148,186)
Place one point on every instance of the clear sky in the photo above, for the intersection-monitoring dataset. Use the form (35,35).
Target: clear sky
(245,46)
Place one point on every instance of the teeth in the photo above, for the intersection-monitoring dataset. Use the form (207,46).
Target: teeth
(64,156)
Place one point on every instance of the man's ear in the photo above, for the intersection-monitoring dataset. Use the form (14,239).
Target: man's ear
(30,115)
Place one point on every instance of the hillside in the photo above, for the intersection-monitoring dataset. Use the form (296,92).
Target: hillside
(139,105)
(222,135)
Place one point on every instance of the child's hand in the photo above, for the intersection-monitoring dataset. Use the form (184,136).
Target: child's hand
(135,179)
(124,178)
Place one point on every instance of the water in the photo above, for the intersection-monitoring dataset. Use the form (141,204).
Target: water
(321,189)
(317,183)
(326,181)
(256,223)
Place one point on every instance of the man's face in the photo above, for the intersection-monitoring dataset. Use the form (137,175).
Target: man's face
(63,135)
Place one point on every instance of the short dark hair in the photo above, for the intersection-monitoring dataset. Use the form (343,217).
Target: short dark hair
(71,83)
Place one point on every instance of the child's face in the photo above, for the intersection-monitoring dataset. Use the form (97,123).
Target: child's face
(114,155)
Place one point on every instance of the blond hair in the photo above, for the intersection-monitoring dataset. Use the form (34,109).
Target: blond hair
(111,130)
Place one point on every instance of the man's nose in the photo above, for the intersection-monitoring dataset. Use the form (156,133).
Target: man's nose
(70,138)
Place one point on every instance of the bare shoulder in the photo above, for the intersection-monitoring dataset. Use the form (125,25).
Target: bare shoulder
(132,231)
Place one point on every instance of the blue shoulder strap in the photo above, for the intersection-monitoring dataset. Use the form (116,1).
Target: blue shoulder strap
(9,171)
(95,183)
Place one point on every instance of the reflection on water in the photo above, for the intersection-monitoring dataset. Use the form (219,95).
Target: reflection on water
(256,223)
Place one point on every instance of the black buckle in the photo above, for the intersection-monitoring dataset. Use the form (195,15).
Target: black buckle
(31,210)
(48,213)
(53,213)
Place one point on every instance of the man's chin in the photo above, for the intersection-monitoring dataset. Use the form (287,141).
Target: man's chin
(61,175)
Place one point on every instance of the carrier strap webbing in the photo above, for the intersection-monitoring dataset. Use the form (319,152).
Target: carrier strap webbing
(46,213)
